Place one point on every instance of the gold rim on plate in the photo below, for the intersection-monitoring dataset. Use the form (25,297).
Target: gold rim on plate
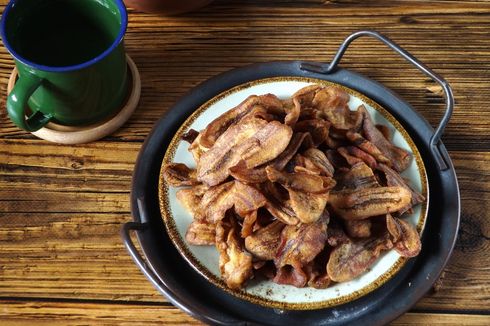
(242,294)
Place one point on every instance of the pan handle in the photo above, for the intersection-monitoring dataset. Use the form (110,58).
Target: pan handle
(143,266)
(138,259)
(448,93)
(148,271)
(182,303)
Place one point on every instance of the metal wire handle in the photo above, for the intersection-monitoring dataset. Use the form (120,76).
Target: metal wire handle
(143,265)
(140,261)
(448,93)
(137,258)
(159,283)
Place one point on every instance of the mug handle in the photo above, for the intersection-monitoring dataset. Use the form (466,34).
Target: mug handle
(17,104)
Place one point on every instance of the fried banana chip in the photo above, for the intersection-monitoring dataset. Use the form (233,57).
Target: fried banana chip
(218,199)
(179,175)
(255,141)
(263,243)
(196,149)
(190,136)
(404,235)
(307,207)
(367,146)
(304,182)
(201,233)
(367,202)
(290,275)
(190,199)
(258,174)
(320,160)
(349,260)
(395,179)
(278,206)
(218,126)
(362,155)
(300,244)
(398,157)
(358,228)
(333,102)
(235,263)
(360,176)
(318,129)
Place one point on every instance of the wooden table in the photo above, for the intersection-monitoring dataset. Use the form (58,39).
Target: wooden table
(61,207)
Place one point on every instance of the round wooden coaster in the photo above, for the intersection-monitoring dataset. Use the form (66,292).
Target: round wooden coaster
(84,134)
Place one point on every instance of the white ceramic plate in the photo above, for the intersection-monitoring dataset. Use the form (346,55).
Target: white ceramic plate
(204,259)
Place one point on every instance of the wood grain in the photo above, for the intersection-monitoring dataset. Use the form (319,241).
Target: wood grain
(61,207)
(57,213)
(442,319)
(450,38)
(62,313)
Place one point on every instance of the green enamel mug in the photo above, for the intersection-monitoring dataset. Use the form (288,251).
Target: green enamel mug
(70,59)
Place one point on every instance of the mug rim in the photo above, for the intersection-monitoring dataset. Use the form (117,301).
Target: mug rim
(109,50)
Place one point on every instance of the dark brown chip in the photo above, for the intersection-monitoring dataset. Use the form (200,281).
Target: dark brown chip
(304,182)
(362,155)
(333,102)
(358,228)
(317,128)
(367,146)
(179,175)
(190,136)
(385,130)
(289,275)
(255,141)
(398,157)
(258,174)
(278,205)
(218,199)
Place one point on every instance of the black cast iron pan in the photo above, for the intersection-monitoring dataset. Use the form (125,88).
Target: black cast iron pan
(184,287)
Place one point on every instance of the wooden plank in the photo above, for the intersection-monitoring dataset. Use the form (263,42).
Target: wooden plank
(69,255)
(60,239)
(79,313)
(176,53)
(442,319)
(38,165)
(61,207)
(465,277)
(58,313)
